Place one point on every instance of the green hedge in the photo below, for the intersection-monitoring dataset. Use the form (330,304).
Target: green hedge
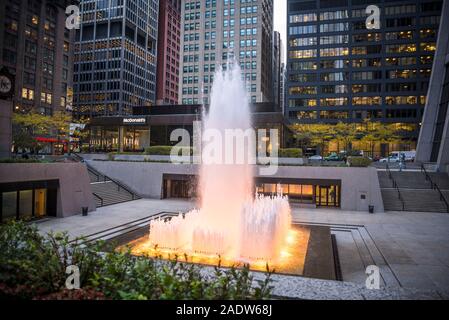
(165,150)
(290,153)
(359,161)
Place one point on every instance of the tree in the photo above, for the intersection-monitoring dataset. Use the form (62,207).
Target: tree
(27,126)
(378,132)
(313,134)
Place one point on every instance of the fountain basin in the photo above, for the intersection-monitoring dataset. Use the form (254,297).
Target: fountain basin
(309,252)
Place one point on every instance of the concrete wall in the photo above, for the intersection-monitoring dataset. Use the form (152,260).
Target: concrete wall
(74,183)
(140,157)
(146,179)
(5,128)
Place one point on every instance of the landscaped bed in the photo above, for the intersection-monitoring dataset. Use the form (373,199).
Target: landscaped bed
(33,266)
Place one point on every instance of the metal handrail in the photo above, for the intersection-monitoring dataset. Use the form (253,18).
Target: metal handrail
(433,185)
(107,178)
(395,185)
(98,197)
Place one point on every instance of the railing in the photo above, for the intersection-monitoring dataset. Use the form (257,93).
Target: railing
(433,185)
(98,197)
(77,156)
(395,185)
(107,179)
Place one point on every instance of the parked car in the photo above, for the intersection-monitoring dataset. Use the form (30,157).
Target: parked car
(332,157)
(408,155)
(389,159)
(316,157)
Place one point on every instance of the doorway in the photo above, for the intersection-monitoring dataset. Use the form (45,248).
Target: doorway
(327,195)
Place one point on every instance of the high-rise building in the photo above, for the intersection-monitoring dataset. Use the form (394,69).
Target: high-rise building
(276,65)
(282,87)
(115,57)
(433,143)
(339,70)
(37,49)
(216,31)
(168,48)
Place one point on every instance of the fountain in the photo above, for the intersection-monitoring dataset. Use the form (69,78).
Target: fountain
(230,222)
(232,225)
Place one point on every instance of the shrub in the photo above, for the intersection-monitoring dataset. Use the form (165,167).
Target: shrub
(290,153)
(33,266)
(359,161)
(165,150)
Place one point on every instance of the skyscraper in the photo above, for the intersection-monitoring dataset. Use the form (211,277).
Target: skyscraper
(168,48)
(339,70)
(216,31)
(36,47)
(433,143)
(276,64)
(115,57)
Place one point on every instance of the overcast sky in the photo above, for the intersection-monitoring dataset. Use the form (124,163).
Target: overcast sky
(280,21)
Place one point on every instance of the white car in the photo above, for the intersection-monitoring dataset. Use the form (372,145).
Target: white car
(316,157)
(389,159)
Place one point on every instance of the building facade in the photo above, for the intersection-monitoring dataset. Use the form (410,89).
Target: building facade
(339,70)
(433,143)
(277,64)
(37,49)
(115,57)
(168,48)
(214,32)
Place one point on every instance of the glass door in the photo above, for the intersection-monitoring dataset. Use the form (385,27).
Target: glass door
(327,196)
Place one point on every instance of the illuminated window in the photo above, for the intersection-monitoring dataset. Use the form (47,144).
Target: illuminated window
(334,52)
(302,90)
(35,20)
(292,103)
(297,42)
(400,48)
(367,101)
(307,17)
(401,100)
(302,54)
(428,46)
(333,102)
(46,97)
(27,94)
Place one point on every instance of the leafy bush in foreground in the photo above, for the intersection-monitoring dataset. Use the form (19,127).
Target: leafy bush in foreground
(33,266)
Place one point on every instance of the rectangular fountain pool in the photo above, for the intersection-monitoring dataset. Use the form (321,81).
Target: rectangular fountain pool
(309,252)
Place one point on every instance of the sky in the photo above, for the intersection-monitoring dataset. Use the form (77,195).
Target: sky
(280,22)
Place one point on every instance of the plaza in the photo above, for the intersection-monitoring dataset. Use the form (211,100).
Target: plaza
(402,244)
(224,150)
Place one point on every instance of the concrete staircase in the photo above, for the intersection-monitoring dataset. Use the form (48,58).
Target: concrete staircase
(107,191)
(415,190)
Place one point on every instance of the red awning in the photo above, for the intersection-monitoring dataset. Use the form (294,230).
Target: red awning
(43,139)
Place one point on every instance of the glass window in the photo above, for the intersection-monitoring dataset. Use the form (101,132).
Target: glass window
(26,204)
(9,205)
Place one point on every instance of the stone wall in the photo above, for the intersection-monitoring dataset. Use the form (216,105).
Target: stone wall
(74,184)
(146,179)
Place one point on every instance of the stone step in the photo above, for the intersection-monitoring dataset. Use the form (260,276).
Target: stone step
(415,200)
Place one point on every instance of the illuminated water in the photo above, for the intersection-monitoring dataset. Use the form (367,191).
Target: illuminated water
(231,221)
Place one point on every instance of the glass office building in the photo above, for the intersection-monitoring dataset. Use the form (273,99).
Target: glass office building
(115,57)
(338,70)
